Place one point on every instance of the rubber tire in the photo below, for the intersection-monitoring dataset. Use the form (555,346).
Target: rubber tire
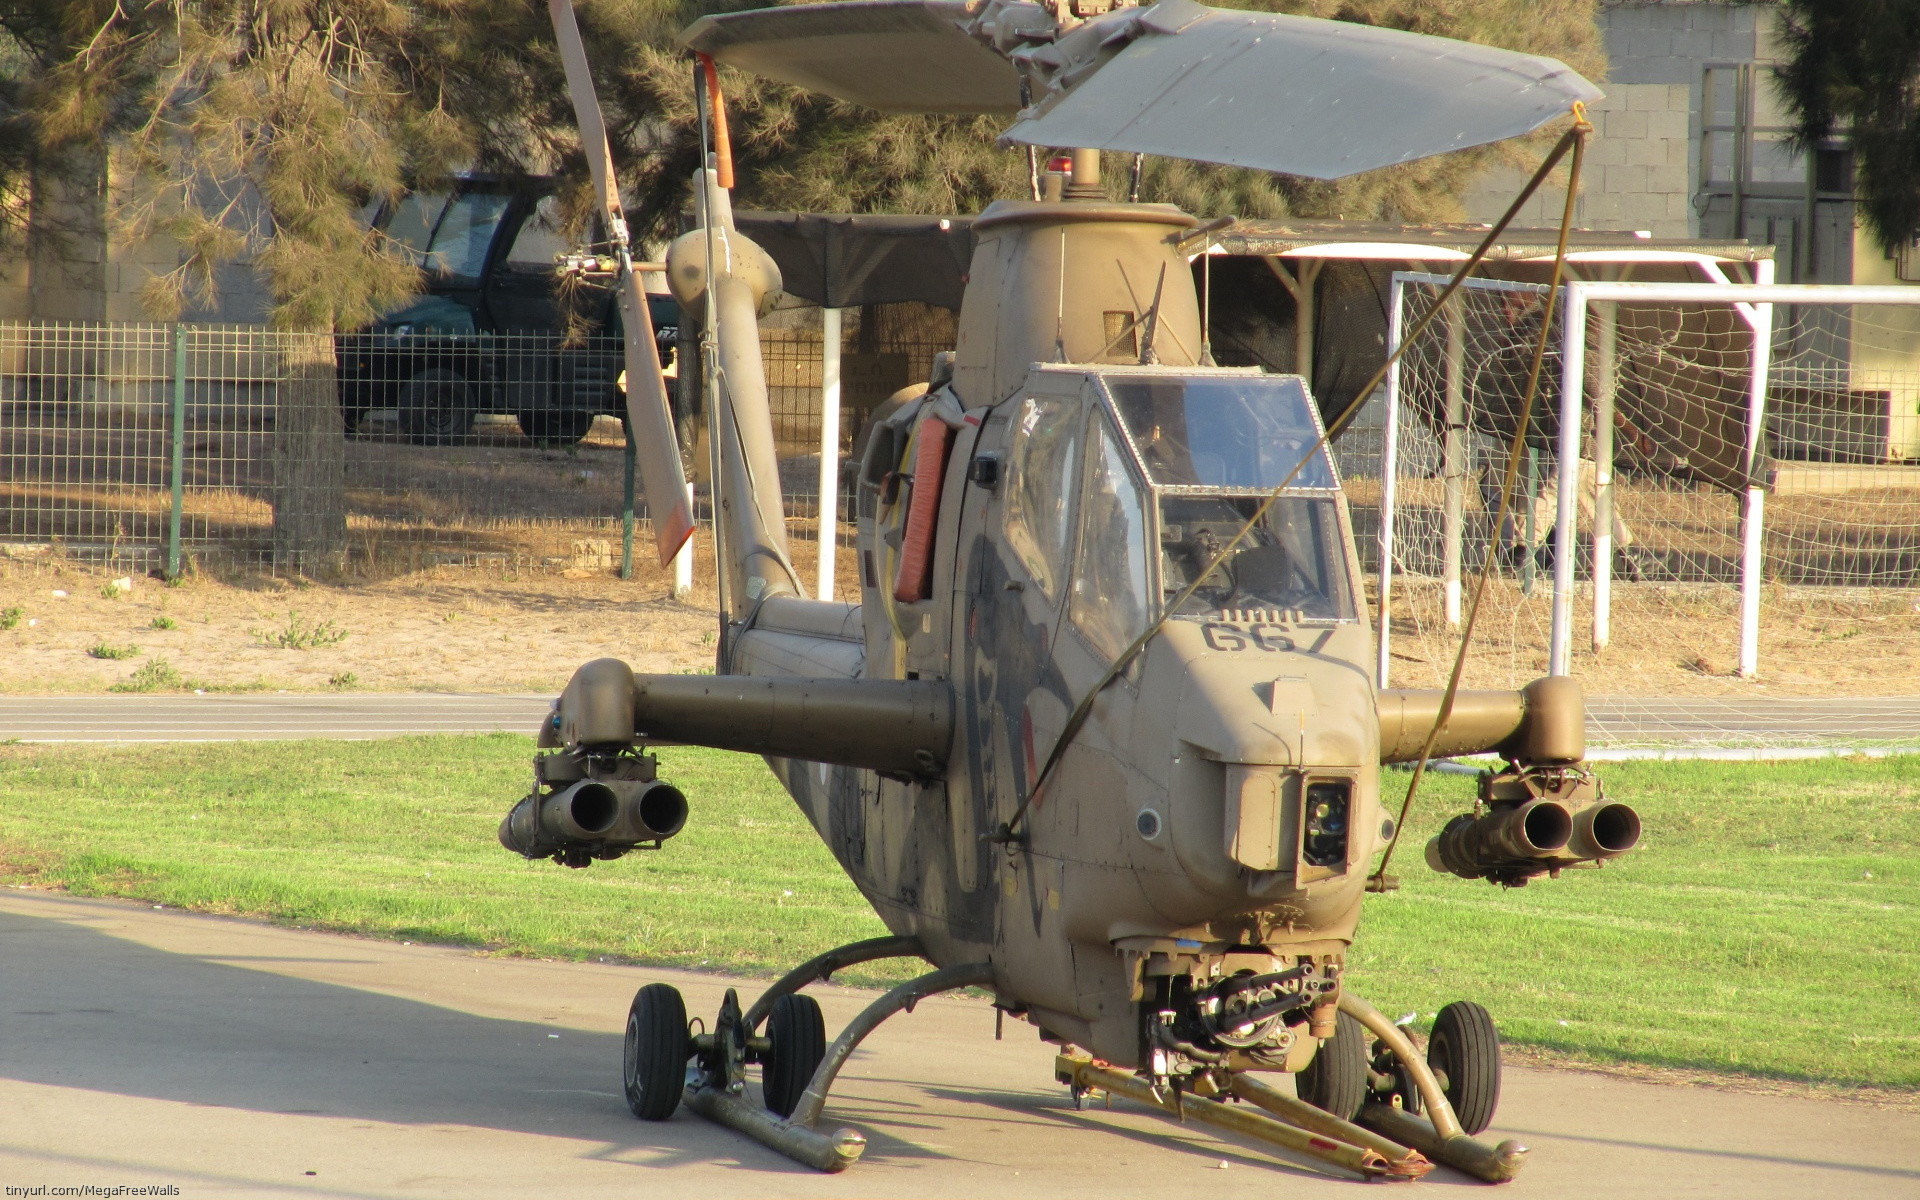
(654,1056)
(1465,1046)
(1336,1080)
(799,1041)
(436,409)
(550,428)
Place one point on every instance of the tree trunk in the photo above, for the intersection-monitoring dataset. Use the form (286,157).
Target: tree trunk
(309,458)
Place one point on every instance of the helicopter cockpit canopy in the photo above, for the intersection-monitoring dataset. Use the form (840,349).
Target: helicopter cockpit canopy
(1175,463)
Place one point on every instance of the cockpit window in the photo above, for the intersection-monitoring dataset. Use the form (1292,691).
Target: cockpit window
(1044,459)
(1110,589)
(1293,560)
(1223,431)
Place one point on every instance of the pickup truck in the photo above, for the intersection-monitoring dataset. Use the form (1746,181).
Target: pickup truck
(497,330)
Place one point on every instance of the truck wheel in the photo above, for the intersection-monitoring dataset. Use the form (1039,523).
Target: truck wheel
(550,428)
(436,408)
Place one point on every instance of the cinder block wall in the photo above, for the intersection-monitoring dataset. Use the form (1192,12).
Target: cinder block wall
(1643,162)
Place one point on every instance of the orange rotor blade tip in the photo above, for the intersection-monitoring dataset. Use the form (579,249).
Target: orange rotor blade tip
(722,141)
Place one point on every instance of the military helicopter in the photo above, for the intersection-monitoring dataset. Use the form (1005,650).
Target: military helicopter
(1099,737)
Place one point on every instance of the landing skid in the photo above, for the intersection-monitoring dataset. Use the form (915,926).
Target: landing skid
(1384,1142)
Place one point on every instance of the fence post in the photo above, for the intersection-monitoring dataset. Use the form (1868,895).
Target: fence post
(626,501)
(829,507)
(1573,374)
(1753,508)
(1389,479)
(1453,463)
(1606,348)
(176,444)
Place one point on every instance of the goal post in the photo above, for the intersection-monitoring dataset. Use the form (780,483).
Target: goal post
(1687,385)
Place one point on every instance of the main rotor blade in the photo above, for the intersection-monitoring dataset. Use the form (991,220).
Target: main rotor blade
(649,420)
(1282,93)
(893,55)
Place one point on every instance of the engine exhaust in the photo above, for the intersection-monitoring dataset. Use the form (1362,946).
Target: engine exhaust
(594,819)
(1605,830)
(1525,834)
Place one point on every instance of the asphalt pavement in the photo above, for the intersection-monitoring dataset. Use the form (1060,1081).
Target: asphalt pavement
(214,717)
(227,1058)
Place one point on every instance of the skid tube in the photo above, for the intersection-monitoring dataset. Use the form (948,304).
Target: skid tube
(723,1098)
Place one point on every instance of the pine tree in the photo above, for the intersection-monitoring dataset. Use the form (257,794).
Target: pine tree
(803,151)
(1853,68)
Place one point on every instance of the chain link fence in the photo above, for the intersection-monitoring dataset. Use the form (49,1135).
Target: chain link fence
(1694,528)
(181,447)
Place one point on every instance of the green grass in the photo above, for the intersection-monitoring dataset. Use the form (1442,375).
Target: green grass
(301,633)
(157,675)
(112,651)
(1769,925)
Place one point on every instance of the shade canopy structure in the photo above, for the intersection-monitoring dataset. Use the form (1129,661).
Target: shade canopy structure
(1298,95)
(893,55)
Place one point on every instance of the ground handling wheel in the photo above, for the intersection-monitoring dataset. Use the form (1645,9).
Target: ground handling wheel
(654,1058)
(1464,1051)
(797,1041)
(1336,1080)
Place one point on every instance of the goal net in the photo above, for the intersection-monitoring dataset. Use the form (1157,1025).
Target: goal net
(1747,503)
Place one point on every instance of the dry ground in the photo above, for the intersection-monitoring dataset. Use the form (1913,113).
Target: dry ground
(443,629)
(464,629)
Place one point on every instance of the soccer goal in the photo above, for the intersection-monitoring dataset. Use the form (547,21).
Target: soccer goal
(1689,443)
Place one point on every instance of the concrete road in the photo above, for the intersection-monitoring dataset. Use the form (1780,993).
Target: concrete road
(224,718)
(231,1059)
(251,717)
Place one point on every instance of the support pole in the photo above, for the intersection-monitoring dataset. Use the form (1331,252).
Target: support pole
(1572,388)
(829,507)
(626,508)
(1389,480)
(177,442)
(1753,509)
(683,560)
(1606,334)
(1453,463)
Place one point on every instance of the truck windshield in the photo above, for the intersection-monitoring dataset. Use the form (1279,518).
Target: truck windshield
(1223,432)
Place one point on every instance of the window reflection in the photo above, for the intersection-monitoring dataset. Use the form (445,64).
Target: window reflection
(1110,590)
(1043,456)
(1223,431)
(466,231)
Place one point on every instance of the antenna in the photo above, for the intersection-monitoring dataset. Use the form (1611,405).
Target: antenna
(1206,304)
(1147,353)
(1060,305)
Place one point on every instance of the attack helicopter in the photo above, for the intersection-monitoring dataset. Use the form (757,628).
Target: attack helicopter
(1099,737)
